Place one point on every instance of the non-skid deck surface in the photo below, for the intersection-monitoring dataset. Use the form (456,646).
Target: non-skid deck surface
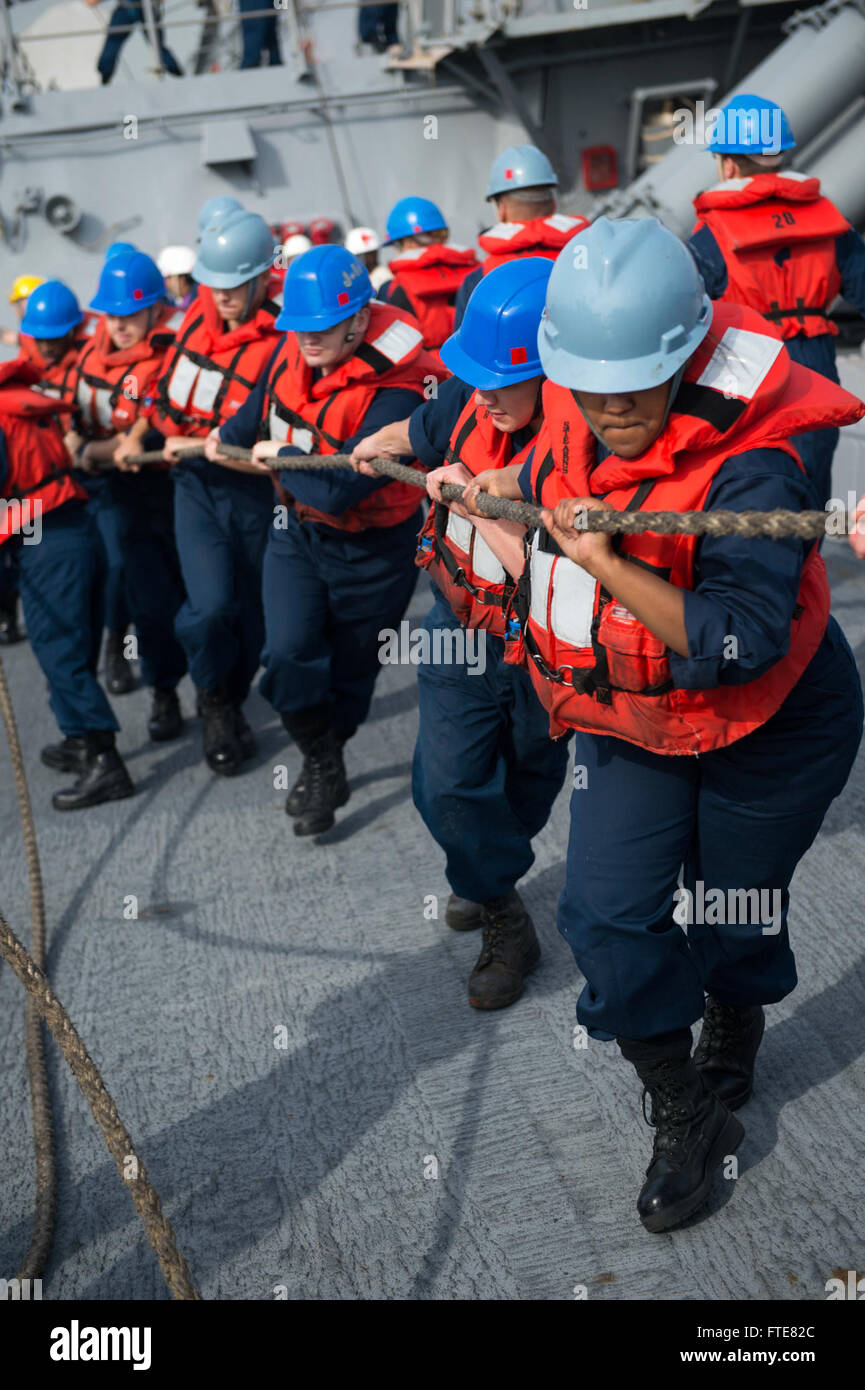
(288,1039)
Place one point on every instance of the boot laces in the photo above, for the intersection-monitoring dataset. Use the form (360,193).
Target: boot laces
(670,1118)
(220,720)
(723,1026)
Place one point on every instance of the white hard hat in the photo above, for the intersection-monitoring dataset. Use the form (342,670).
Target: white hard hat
(360,240)
(176,260)
(295,246)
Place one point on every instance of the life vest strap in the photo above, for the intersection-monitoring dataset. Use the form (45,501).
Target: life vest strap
(17,494)
(800,311)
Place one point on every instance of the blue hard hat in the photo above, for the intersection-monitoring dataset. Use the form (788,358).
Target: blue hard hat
(750,125)
(520,166)
(129,281)
(323,287)
(119,248)
(410,216)
(52,311)
(214,210)
(496,343)
(233,250)
(626,308)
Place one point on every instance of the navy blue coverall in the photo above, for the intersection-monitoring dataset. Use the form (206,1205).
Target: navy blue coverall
(740,817)
(486,772)
(818,446)
(62,595)
(259,36)
(117,615)
(328,593)
(123,16)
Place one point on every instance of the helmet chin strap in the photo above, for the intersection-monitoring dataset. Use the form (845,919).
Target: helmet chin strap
(675,383)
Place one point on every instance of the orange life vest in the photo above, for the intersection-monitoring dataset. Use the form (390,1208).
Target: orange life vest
(58,379)
(112,386)
(593,664)
(430,277)
(541,236)
(317,416)
(210,371)
(29,351)
(752,219)
(450,547)
(40,470)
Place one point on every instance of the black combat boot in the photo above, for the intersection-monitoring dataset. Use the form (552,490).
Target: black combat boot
(727,1049)
(10,632)
(462,914)
(510,951)
(222,751)
(325,782)
(694,1131)
(102,778)
(118,672)
(307,727)
(245,736)
(166,721)
(68,756)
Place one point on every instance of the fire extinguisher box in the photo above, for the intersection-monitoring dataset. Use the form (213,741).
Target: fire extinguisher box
(600,167)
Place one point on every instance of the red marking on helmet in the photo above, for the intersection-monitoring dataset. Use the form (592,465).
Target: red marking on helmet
(416,227)
(509,173)
(137,294)
(342,298)
(518,355)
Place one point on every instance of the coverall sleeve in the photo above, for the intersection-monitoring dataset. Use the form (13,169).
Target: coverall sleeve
(710,262)
(738,615)
(432,424)
(464,294)
(850,259)
(336,490)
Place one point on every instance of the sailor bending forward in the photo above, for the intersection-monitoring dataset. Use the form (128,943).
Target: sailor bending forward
(339,565)
(717,705)
(486,772)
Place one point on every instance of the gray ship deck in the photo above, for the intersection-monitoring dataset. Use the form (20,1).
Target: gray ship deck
(304,1167)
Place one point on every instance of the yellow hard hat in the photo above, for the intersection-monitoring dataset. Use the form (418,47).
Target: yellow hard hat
(23,286)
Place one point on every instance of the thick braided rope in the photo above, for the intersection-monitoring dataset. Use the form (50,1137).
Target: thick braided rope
(132,1171)
(45,1196)
(773,525)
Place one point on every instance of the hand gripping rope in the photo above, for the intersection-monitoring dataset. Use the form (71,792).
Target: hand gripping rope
(773,525)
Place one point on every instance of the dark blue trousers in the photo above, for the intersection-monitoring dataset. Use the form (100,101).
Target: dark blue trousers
(121,16)
(103,509)
(10,567)
(221,521)
(142,509)
(259,36)
(740,817)
(486,772)
(327,595)
(816,448)
(62,596)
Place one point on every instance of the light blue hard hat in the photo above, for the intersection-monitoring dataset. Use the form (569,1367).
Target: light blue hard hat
(323,287)
(52,311)
(520,166)
(234,250)
(750,125)
(214,210)
(496,343)
(411,216)
(626,308)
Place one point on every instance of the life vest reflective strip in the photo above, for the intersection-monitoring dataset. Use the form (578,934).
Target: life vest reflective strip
(593,664)
(753,219)
(451,548)
(430,277)
(39,466)
(199,389)
(541,236)
(111,395)
(317,416)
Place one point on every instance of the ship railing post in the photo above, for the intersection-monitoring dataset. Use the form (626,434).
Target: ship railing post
(150,24)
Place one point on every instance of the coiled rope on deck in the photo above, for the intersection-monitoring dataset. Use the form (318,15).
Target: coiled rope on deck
(774,525)
(43,1004)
